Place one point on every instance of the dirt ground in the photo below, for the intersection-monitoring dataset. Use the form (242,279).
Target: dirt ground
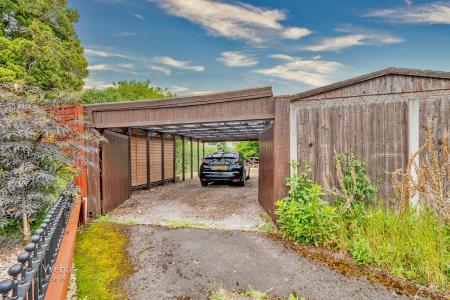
(171,263)
(9,249)
(217,206)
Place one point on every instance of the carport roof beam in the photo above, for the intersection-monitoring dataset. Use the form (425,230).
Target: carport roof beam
(233,130)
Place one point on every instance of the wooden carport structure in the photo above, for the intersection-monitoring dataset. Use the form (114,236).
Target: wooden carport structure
(140,126)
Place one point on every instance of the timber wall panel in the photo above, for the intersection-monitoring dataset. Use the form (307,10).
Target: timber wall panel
(374,127)
(138,160)
(388,84)
(116,181)
(266,172)
(155,159)
(168,158)
(375,132)
(241,105)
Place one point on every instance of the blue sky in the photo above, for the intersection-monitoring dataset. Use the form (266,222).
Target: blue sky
(198,46)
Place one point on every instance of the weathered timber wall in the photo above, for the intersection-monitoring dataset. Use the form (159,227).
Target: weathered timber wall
(377,128)
(115,166)
(266,174)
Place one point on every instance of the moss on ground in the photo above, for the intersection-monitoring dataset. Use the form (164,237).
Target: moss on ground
(250,294)
(101,261)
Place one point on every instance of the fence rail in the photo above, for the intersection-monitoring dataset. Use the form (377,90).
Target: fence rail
(31,276)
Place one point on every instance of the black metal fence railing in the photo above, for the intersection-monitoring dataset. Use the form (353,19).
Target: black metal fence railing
(31,276)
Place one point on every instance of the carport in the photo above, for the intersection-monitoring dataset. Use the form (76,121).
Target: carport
(141,141)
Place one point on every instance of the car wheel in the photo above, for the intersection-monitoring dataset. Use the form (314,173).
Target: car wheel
(204,183)
(242,182)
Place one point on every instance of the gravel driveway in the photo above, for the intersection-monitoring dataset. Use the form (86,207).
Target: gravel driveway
(217,206)
(191,263)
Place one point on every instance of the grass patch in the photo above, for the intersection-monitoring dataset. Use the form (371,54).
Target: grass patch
(266,227)
(185,224)
(410,245)
(101,260)
(250,293)
(104,219)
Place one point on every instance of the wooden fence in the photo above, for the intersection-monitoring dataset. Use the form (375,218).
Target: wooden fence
(383,130)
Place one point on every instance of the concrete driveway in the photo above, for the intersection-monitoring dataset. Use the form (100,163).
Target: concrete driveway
(192,263)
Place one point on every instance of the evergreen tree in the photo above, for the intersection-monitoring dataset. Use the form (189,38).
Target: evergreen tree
(39,45)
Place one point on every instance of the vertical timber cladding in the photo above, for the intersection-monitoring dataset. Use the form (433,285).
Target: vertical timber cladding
(379,117)
(266,171)
(375,131)
(139,159)
(114,165)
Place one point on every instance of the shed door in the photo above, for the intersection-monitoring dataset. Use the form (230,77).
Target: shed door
(116,181)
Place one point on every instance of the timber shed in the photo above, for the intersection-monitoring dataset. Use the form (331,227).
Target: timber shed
(382,117)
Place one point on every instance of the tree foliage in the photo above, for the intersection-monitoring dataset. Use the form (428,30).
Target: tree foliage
(38,153)
(248,148)
(39,46)
(125,91)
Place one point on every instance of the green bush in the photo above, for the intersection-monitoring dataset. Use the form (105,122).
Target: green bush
(411,244)
(304,216)
(360,250)
(354,180)
(125,91)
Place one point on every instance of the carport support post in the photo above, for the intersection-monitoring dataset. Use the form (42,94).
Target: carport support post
(183,167)
(192,159)
(174,137)
(203,152)
(198,158)
(162,158)
(130,185)
(147,151)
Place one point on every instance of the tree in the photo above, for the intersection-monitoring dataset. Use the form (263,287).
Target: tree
(38,154)
(125,91)
(39,46)
(248,148)
(222,147)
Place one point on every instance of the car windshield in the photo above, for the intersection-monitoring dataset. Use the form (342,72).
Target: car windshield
(221,158)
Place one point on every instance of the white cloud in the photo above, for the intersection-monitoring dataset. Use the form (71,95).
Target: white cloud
(237,59)
(179,89)
(119,68)
(140,17)
(313,72)
(350,40)
(103,53)
(92,83)
(295,33)
(161,69)
(203,92)
(430,13)
(237,21)
(178,64)
(124,34)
